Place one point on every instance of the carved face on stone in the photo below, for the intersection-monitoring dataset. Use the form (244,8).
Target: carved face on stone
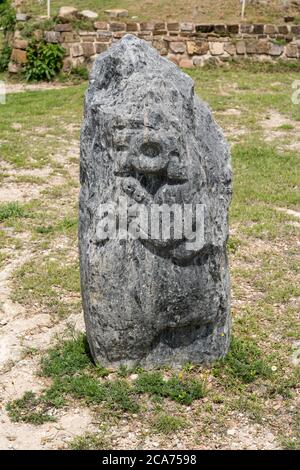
(146,137)
(156,146)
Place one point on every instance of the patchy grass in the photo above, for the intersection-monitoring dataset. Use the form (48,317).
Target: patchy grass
(67,358)
(181,390)
(166,424)
(257,382)
(200,11)
(11,210)
(39,142)
(90,441)
(243,363)
(29,409)
(70,366)
(41,280)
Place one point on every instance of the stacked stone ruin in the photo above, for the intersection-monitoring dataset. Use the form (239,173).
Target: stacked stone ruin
(186,44)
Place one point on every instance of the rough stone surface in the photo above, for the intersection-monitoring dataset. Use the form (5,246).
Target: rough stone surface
(52,36)
(67,12)
(22,17)
(177,47)
(19,56)
(117,12)
(91,15)
(146,137)
(197,47)
(216,48)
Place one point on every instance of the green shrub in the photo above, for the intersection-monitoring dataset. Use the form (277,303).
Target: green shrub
(5,54)
(44,60)
(80,72)
(27,29)
(7,17)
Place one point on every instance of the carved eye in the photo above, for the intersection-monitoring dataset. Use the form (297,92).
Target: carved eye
(151,149)
(121,148)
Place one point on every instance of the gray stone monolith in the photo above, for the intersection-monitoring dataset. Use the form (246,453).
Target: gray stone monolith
(152,157)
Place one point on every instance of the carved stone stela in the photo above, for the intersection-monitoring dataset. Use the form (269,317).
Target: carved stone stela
(149,141)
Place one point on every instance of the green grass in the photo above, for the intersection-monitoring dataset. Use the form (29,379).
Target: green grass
(258,373)
(166,424)
(90,441)
(244,362)
(172,10)
(29,409)
(286,127)
(11,210)
(73,374)
(42,111)
(183,391)
(67,358)
(65,225)
(40,279)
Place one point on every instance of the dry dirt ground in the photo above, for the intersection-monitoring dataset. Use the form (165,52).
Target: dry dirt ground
(29,324)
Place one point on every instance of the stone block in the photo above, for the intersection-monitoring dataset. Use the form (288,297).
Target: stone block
(76,50)
(177,47)
(216,48)
(19,56)
(241,47)
(52,36)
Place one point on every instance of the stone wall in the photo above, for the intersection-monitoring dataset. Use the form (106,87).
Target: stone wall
(186,44)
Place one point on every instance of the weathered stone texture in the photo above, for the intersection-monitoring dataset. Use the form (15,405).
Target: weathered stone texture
(147,138)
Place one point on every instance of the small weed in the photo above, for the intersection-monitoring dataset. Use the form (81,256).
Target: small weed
(89,441)
(286,127)
(233,244)
(80,72)
(279,42)
(45,60)
(11,210)
(166,424)
(123,371)
(29,409)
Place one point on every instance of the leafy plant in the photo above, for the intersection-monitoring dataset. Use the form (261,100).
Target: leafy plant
(27,29)
(80,72)
(5,54)
(7,17)
(44,60)
(7,24)
(68,358)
